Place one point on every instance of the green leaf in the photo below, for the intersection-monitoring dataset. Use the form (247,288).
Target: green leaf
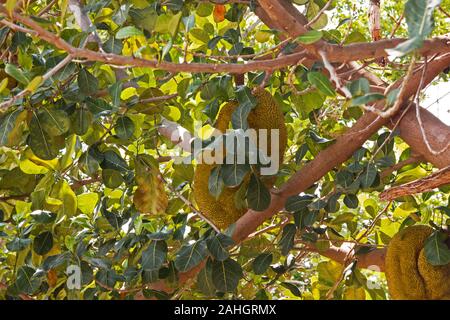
(190,256)
(99,107)
(351,201)
(41,143)
(405,47)
(297,203)
(124,127)
(114,91)
(16,73)
(246,103)
(42,216)
(218,246)
(127,32)
(262,263)
(292,288)
(111,178)
(419,18)
(34,84)
(54,122)
(287,238)
(26,282)
(113,45)
(81,121)
(144,18)
(226,275)
(391,97)
(55,261)
(7,125)
(234,174)
(444,210)
(215,182)
(154,256)
(310,37)
(366,99)
(43,243)
(317,205)
(258,196)
(321,82)
(312,11)
(87,83)
(359,87)
(204,280)
(86,202)
(18,244)
(368,176)
(114,161)
(436,250)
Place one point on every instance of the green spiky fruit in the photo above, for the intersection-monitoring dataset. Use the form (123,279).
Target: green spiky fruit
(266,115)
(409,275)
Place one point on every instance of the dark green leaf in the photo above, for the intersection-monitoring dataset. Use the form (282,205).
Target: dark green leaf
(351,201)
(226,275)
(43,243)
(436,249)
(190,256)
(81,121)
(124,127)
(87,83)
(258,196)
(25,281)
(18,244)
(297,203)
(115,91)
(42,216)
(234,174)
(154,256)
(43,145)
(204,280)
(262,262)
(114,161)
(287,238)
(368,176)
(215,182)
(359,87)
(218,246)
(366,99)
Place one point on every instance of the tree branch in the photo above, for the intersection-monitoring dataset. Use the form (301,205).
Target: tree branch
(434,180)
(131,61)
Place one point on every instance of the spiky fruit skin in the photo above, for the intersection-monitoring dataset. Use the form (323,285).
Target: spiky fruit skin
(409,275)
(266,115)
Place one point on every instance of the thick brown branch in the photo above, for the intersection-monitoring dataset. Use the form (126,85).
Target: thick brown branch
(373,260)
(435,180)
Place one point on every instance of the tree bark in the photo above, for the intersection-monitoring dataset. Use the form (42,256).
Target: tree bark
(434,180)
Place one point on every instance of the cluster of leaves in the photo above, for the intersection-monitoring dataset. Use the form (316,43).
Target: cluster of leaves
(70,155)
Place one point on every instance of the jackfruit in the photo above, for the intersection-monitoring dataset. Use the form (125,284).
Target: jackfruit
(265,115)
(409,275)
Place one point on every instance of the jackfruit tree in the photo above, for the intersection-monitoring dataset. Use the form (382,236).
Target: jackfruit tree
(243,149)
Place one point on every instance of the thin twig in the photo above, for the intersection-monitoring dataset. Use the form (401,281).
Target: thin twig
(319,14)
(334,77)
